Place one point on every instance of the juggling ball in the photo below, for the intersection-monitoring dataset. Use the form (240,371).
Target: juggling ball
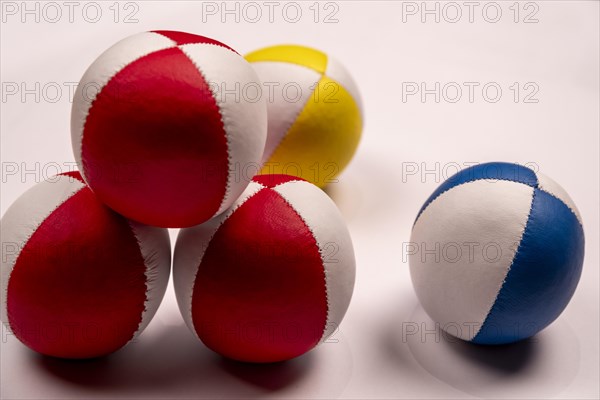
(496,253)
(314,111)
(78,280)
(162,123)
(270,278)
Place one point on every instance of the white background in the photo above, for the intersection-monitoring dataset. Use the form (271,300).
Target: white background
(372,358)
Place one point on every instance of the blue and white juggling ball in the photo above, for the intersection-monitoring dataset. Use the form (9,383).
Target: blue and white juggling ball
(496,253)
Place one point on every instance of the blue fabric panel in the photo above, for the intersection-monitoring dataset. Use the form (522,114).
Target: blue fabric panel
(542,277)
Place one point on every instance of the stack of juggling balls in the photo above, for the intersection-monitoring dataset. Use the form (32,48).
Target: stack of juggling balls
(169,130)
(176,130)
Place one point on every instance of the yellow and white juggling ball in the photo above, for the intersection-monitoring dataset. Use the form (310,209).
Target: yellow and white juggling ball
(314,112)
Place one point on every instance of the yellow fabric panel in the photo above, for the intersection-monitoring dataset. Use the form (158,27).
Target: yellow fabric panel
(300,55)
(322,141)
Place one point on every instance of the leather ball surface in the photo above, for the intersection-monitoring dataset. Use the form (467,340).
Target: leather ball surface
(496,253)
(270,278)
(160,124)
(314,111)
(78,280)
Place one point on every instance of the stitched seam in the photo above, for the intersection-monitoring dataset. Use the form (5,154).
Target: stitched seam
(183,44)
(146,293)
(509,267)
(327,314)
(26,241)
(354,99)
(224,121)
(199,261)
(202,43)
(283,183)
(562,201)
(72,177)
(461,184)
(146,283)
(287,131)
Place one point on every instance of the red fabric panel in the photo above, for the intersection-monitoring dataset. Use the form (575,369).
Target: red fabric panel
(78,288)
(260,292)
(187,38)
(272,180)
(74,174)
(154,147)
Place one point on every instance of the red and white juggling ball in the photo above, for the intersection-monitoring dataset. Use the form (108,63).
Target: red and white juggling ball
(160,122)
(78,280)
(271,277)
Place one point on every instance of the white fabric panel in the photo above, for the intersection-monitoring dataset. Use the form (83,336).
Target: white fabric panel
(101,71)
(24,216)
(189,251)
(327,225)
(460,287)
(287,88)
(243,110)
(336,71)
(547,184)
(155,247)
